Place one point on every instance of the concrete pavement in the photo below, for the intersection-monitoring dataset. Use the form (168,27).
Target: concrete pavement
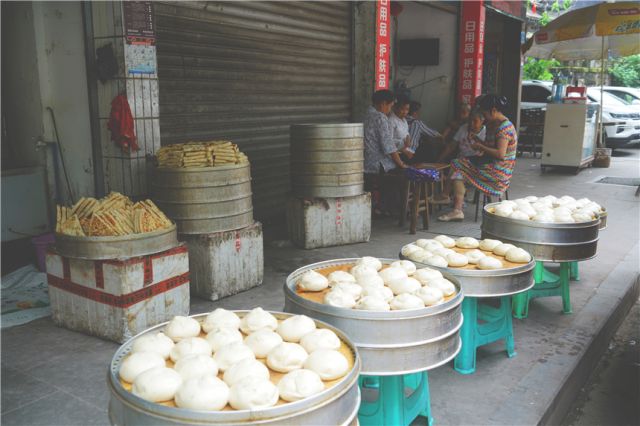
(55,376)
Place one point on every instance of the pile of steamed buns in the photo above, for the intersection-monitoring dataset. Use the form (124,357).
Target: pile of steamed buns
(367,286)
(439,252)
(306,355)
(549,209)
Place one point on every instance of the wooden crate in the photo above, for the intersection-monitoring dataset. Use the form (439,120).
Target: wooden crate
(226,263)
(326,222)
(117,299)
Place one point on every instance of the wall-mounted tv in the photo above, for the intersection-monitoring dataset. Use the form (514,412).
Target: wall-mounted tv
(420,51)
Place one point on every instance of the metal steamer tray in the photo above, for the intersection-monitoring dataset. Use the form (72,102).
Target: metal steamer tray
(124,247)
(336,405)
(489,283)
(547,242)
(389,342)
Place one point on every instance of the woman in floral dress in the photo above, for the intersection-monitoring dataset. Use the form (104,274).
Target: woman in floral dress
(491,171)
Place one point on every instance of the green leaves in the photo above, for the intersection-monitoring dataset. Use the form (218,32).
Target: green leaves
(538,69)
(626,71)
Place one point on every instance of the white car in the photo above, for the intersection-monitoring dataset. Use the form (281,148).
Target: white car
(629,94)
(621,121)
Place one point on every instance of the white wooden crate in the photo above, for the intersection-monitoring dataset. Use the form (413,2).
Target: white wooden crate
(226,263)
(117,299)
(326,222)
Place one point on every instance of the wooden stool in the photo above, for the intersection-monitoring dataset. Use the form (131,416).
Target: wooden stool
(486,199)
(416,194)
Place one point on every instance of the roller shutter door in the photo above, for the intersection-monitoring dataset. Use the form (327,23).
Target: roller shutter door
(246,71)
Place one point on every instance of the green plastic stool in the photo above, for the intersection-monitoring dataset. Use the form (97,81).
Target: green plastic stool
(574,273)
(496,324)
(393,406)
(547,284)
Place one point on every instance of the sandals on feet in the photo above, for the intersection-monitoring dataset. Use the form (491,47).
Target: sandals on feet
(452,216)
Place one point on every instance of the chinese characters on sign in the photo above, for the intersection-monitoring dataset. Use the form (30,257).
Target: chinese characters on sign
(139,28)
(138,22)
(471,51)
(383,28)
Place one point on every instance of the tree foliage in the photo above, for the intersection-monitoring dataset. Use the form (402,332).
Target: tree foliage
(538,69)
(626,71)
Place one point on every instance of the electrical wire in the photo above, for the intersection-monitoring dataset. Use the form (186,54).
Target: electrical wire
(64,167)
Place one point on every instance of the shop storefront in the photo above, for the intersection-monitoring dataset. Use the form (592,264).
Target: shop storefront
(246,71)
(489,51)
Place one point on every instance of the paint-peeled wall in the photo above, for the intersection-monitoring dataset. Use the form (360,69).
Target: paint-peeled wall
(43,70)
(438,95)
(63,81)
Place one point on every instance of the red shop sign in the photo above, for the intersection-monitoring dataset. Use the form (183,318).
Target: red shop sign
(383,29)
(471,51)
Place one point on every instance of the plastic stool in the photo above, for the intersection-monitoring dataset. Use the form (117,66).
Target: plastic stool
(547,284)
(393,406)
(574,273)
(496,325)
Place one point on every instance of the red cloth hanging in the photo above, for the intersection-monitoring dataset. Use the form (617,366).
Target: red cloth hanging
(121,124)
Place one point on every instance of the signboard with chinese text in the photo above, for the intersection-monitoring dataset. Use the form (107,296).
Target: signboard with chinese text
(139,26)
(471,51)
(383,29)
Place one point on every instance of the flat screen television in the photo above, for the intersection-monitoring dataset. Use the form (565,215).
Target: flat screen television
(420,51)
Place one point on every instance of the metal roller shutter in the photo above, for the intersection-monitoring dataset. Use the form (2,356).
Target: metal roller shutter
(247,71)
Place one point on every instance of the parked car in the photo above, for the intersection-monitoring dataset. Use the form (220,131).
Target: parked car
(620,120)
(629,94)
(535,94)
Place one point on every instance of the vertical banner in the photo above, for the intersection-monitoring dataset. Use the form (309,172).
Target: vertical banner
(382,44)
(471,51)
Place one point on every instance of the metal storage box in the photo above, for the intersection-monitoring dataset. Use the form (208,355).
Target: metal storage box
(325,222)
(226,263)
(117,299)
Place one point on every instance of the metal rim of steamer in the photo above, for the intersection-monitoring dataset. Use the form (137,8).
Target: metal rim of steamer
(272,414)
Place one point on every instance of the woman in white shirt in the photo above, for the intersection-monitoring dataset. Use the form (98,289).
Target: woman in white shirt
(400,128)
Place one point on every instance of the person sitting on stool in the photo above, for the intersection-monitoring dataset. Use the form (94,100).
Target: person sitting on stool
(381,155)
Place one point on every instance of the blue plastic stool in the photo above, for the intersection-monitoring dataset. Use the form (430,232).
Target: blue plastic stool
(393,406)
(496,324)
(547,284)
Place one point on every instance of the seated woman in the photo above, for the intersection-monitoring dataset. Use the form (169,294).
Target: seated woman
(450,131)
(468,133)
(380,153)
(400,128)
(491,171)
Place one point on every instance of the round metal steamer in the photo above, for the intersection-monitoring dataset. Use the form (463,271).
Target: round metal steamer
(389,342)
(327,160)
(337,405)
(100,248)
(203,200)
(489,283)
(547,242)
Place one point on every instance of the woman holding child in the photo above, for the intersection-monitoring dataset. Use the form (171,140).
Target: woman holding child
(487,163)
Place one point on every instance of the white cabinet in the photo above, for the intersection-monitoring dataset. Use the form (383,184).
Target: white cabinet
(569,135)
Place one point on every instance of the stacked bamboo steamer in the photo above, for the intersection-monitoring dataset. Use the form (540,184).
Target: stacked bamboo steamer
(204,186)
(327,160)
